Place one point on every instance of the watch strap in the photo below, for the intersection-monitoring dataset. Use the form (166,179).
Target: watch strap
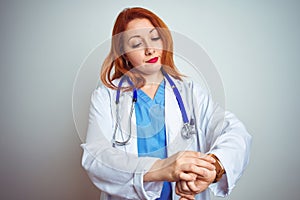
(220,170)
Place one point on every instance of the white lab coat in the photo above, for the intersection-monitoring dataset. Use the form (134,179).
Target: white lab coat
(118,172)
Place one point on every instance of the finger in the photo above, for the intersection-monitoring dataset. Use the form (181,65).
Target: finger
(179,191)
(200,162)
(184,187)
(208,178)
(183,198)
(187,197)
(190,169)
(194,154)
(207,162)
(192,186)
(208,158)
(195,158)
(187,176)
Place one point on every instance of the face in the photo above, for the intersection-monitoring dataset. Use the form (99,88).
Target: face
(143,46)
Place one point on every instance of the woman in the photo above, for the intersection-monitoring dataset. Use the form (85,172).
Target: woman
(152,134)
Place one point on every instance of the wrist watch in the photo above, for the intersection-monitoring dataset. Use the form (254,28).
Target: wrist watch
(220,170)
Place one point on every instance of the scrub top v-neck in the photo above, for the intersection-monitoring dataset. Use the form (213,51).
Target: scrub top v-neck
(151,131)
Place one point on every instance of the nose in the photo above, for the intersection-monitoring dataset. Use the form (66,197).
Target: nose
(149,51)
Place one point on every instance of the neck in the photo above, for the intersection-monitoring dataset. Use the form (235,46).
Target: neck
(153,79)
(152,83)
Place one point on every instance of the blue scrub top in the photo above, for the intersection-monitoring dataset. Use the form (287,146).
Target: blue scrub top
(151,130)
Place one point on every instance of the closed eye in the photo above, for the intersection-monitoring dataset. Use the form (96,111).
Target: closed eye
(136,45)
(155,38)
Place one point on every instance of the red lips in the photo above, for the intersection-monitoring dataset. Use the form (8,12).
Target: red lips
(152,60)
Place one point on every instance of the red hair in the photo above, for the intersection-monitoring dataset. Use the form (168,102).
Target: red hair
(117,61)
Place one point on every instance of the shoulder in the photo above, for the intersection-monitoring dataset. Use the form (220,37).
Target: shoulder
(102,93)
(193,86)
(102,89)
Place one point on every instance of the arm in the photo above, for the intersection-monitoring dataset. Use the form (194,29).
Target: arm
(119,173)
(226,137)
(184,166)
(111,170)
(231,145)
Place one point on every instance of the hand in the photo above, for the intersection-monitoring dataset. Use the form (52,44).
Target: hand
(182,166)
(183,190)
(188,189)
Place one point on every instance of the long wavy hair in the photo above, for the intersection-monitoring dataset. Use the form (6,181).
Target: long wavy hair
(115,59)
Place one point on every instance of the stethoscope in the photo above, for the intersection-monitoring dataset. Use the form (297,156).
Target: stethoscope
(188,128)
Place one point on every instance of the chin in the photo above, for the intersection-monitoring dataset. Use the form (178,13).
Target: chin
(149,68)
(153,69)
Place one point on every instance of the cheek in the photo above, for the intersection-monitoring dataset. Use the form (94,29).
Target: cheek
(135,57)
(160,51)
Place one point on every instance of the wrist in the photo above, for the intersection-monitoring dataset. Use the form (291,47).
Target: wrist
(155,172)
(220,170)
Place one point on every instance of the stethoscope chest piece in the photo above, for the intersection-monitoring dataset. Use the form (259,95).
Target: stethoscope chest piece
(188,130)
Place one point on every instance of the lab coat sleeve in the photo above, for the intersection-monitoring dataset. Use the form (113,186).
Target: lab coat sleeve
(113,171)
(227,138)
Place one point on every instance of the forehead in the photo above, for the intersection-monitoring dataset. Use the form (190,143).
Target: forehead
(138,27)
(137,24)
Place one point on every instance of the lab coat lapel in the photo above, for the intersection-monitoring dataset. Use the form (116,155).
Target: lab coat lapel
(174,122)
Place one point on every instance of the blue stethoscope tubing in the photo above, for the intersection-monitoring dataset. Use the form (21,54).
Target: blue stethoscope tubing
(188,128)
(134,99)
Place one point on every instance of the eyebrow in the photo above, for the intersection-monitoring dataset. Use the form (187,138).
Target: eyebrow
(152,30)
(139,35)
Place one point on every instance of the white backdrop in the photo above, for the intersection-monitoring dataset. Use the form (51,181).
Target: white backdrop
(254,45)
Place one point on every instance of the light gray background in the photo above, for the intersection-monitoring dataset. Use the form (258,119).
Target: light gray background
(254,45)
